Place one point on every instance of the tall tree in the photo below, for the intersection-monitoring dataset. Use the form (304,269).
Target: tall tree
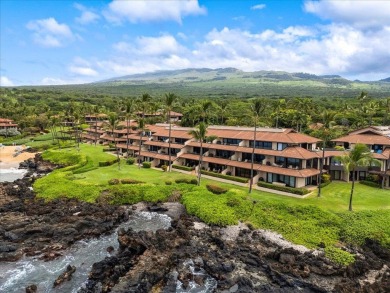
(223,107)
(325,136)
(113,124)
(257,107)
(359,156)
(141,127)
(277,106)
(199,134)
(96,111)
(170,99)
(205,108)
(128,112)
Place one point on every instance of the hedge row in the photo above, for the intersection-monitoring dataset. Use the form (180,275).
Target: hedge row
(299,191)
(109,150)
(115,181)
(216,189)
(187,181)
(227,177)
(185,168)
(108,163)
(370,183)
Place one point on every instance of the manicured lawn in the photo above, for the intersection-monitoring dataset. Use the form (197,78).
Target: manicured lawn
(335,197)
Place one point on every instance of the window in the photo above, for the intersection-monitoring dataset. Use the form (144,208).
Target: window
(153,148)
(223,154)
(288,180)
(257,158)
(231,141)
(295,163)
(281,146)
(246,173)
(261,144)
(180,140)
(196,150)
(280,161)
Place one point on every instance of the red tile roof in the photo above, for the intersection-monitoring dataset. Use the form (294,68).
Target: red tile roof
(369,139)
(163,144)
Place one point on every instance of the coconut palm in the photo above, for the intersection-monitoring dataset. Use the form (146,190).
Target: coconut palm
(200,135)
(277,106)
(359,156)
(143,103)
(169,101)
(223,107)
(141,126)
(205,107)
(96,111)
(113,124)
(258,107)
(325,136)
(128,112)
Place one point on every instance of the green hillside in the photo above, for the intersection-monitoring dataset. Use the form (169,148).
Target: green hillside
(231,82)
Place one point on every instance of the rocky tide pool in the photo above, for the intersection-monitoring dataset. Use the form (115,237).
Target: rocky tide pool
(16,276)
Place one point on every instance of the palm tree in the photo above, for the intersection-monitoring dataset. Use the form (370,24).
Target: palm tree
(169,100)
(278,105)
(205,107)
(325,135)
(128,111)
(113,123)
(144,103)
(359,156)
(200,135)
(223,105)
(141,126)
(258,106)
(96,111)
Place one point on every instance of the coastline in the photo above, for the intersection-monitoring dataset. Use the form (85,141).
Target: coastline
(9,164)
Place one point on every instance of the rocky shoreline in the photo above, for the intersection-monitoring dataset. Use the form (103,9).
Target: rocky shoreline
(31,226)
(237,258)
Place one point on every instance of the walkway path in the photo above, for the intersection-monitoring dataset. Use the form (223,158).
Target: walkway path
(255,186)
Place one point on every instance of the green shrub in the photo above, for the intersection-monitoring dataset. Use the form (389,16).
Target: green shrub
(168,182)
(339,256)
(227,177)
(131,181)
(325,184)
(325,178)
(113,181)
(233,202)
(164,168)
(187,181)
(108,163)
(146,165)
(216,189)
(109,150)
(370,183)
(299,191)
(130,161)
(185,168)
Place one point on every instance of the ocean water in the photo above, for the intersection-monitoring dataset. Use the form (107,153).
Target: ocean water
(11,174)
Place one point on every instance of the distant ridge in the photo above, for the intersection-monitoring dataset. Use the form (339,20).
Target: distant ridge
(386,79)
(207,74)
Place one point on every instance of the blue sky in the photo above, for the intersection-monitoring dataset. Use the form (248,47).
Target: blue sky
(62,42)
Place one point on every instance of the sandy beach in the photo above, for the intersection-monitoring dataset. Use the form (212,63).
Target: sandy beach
(7,159)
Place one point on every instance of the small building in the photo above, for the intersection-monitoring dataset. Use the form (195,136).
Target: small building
(8,125)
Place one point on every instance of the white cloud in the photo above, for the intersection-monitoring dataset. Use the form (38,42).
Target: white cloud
(59,81)
(363,14)
(87,16)
(49,33)
(152,10)
(258,7)
(151,46)
(5,81)
(82,67)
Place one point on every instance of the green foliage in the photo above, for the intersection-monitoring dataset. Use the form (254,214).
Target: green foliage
(185,168)
(114,181)
(168,182)
(358,226)
(110,149)
(108,163)
(227,177)
(325,178)
(216,189)
(63,158)
(146,165)
(164,168)
(325,184)
(370,183)
(299,191)
(339,256)
(131,181)
(130,161)
(187,180)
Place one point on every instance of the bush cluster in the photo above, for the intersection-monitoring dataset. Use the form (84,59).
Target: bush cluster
(187,181)
(299,191)
(109,150)
(130,161)
(113,181)
(185,168)
(216,189)
(108,163)
(370,183)
(227,177)
(146,165)
(131,181)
